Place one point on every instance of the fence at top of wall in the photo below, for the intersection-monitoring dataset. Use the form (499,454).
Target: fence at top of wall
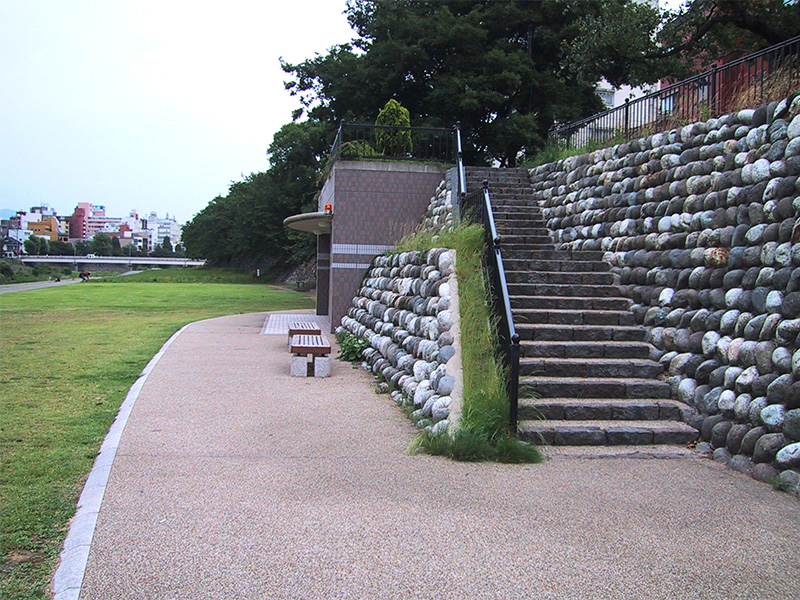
(770,74)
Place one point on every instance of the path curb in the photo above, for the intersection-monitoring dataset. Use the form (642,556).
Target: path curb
(68,578)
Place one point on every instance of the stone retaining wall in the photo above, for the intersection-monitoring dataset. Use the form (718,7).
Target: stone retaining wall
(407,309)
(701,226)
(439,216)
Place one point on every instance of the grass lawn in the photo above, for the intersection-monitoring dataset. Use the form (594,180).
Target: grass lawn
(68,356)
(184,275)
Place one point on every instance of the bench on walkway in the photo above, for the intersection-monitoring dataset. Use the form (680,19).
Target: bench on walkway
(318,348)
(303,327)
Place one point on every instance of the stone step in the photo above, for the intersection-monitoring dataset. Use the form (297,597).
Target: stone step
(573,317)
(507,192)
(545,289)
(570,302)
(606,433)
(592,387)
(494,173)
(586,333)
(562,278)
(513,219)
(590,367)
(516,264)
(521,238)
(507,231)
(523,252)
(524,203)
(579,349)
(633,451)
(602,409)
(505,186)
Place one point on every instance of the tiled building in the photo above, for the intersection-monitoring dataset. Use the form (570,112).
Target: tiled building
(370,207)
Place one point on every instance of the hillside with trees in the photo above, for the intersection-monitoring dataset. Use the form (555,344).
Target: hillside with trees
(507,70)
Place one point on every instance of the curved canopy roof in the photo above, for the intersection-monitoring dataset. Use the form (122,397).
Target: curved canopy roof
(316,222)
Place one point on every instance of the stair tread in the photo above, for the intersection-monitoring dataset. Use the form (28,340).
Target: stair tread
(523,296)
(568,311)
(601,401)
(615,343)
(557,379)
(588,361)
(533,424)
(646,451)
(577,327)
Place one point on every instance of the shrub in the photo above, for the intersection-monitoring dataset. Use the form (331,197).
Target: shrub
(394,142)
(6,271)
(357,149)
(351,347)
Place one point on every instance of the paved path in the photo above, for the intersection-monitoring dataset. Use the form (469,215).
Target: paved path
(233,480)
(33,285)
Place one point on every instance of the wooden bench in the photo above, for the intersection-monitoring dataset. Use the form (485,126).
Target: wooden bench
(318,348)
(303,327)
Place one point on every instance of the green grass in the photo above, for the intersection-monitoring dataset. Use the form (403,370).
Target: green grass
(69,356)
(187,275)
(483,432)
(556,150)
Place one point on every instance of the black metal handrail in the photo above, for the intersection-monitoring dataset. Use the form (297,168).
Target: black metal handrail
(768,74)
(459,159)
(361,141)
(480,205)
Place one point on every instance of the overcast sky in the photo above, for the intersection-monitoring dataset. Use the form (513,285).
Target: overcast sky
(146,105)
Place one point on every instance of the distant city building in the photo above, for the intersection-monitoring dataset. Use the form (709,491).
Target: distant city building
(48,227)
(161,228)
(87,220)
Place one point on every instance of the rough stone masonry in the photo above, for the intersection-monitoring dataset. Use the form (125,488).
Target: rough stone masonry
(701,226)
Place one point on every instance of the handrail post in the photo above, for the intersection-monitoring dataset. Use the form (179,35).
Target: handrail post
(712,89)
(513,391)
(627,108)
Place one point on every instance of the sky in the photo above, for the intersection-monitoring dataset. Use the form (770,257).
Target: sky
(153,106)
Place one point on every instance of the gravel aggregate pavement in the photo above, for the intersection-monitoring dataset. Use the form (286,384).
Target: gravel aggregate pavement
(234,480)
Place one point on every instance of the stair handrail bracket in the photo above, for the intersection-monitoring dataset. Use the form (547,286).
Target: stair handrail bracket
(498,287)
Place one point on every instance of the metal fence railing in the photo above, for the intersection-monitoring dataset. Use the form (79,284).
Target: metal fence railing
(770,74)
(356,141)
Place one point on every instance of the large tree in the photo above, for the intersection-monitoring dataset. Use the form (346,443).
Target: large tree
(509,69)
(499,68)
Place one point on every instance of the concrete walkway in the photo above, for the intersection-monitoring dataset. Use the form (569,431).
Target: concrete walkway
(34,285)
(233,480)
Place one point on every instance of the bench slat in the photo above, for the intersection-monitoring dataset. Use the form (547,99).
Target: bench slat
(310,344)
(309,327)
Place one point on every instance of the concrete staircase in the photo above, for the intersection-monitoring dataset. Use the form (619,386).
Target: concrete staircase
(585,374)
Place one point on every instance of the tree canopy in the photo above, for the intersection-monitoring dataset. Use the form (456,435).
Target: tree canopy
(245,227)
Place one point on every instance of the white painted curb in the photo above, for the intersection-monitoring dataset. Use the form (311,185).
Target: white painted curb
(68,578)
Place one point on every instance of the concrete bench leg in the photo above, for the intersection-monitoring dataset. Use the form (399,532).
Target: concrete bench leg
(322,366)
(299,366)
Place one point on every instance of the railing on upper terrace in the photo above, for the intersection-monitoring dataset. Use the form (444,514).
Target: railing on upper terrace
(356,141)
(770,74)
(478,204)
